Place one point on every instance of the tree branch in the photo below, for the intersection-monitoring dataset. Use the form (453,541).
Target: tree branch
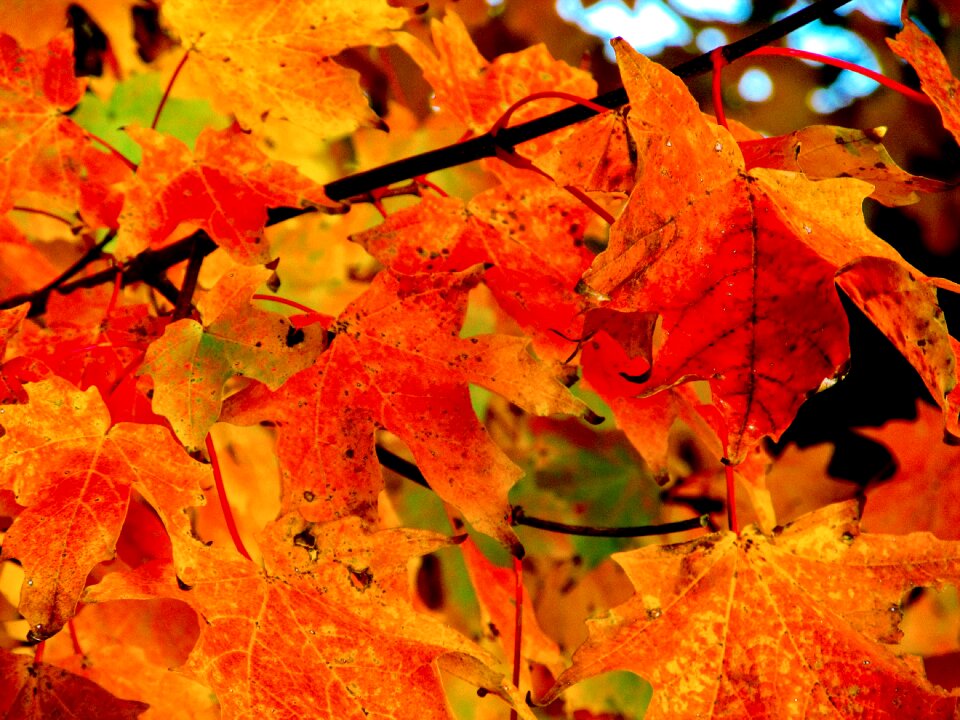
(184,303)
(486,145)
(410,471)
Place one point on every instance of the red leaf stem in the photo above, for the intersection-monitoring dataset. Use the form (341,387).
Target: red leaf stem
(719,61)
(518,625)
(166,93)
(827,60)
(224,503)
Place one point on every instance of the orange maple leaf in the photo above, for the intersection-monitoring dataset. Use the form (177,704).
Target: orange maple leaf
(739,265)
(224,187)
(478,92)
(936,79)
(10,321)
(790,625)
(924,493)
(132,649)
(40,691)
(257,62)
(49,161)
(825,151)
(533,235)
(74,474)
(397,362)
(321,631)
(191,362)
(902,303)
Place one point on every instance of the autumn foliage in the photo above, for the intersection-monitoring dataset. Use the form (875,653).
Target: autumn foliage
(271,448)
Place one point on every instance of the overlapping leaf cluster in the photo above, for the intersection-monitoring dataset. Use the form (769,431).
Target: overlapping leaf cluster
(713,304)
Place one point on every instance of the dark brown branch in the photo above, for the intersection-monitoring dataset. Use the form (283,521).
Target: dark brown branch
(520,518)
(184,302)
(403,468)
(411,472)
(486,145)
(146,265)
(39,298)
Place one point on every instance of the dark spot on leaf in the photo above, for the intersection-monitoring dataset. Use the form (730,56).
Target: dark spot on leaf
(362,577)
(182,585)
(305,539)
(295,336)
(309,496)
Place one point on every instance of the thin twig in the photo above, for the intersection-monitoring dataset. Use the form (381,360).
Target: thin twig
(520,518)
(184,304)
(145,267)
(411,472)
(38,298)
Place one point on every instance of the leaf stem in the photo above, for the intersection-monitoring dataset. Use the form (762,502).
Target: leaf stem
(518,625)
(224,503)
(166,93)
(113,151)
(77,650)
(719,62)
(46,213)
(845,65)
(732,521)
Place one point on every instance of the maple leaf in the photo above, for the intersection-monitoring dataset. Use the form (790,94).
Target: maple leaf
(824,151)
(39,690)
(738,264)
(532,235)
(10,321)
(923,494)
(902,304)
(82,346)
(49,160)
(314,634)
(936,79)
(495,587)
(258,63)
(23,266)
(478,92)
(397,362)
(599,155)
(224,187)
(789,625)
(74,473)
(190,362)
